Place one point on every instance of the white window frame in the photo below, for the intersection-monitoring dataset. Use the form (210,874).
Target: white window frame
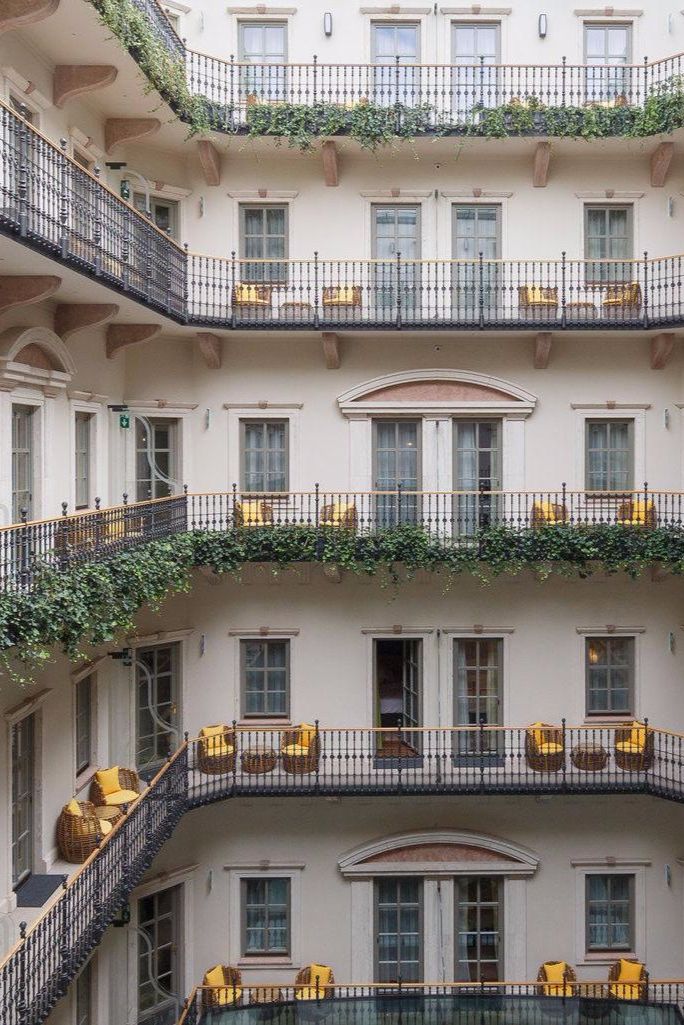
(609,866)
(41,484)
(255,721)
(275,870)
(428,670)
(183,446)
(83,778)
(448,698)
(97,445)
(422,17)
(635,632)
(618,412)
(265,411)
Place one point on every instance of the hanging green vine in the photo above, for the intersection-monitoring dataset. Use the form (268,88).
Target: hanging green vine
(96,602)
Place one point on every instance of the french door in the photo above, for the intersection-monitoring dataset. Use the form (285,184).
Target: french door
(263,46)
(478,684)
(398,672)
(396,231)
(396,49)
(399,930)
(479,929)
(475,48)
(23,419)
(476,233)
(23,812)
(477,472)
(396,471)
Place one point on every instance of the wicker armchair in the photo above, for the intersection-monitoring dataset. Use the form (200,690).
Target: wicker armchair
(345,296)
(300,749)
(222,986)
(338,514)
(80,831)
(545,513)
(556,978)
(115,786)
(315,982)
(544,748)
(636,512)
(258,296)
(216,749)
(634,748)
(622,300)
(537,301)
(628,979)
(253,513)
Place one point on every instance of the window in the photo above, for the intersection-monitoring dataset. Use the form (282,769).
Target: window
(156,441)
(475,230)
(158,957)
(398,676)
(82,454)
(399,930)
(608,235)
(610,675)
(84,996)
(478,687)
(265,455)
(396,467)
(395,44)
(395,230)
(83,724)
(474,55)
(477,468)
(264,237)
(265,672)
(157,703)
(164,212)
(607,52)
(479,929)
(23,442)
(19,107)
(265,916)
(609,456)
(264,45)
(610,912)
(23,812)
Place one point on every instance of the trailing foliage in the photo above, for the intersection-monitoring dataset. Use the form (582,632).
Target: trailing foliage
(96,602)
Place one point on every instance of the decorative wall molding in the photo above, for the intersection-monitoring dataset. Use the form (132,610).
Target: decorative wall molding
(34,97)
(52,378)
(257,10)
(168,405)
(608,12)
(476,10)
(255,195)
(266,631)
(475,193)
(609,404)
(263,405)
(609,194)
(495,395)
(362,861)
(396,193)
(609,628)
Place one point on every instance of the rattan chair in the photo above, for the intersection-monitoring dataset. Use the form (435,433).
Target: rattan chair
(544,748)
(224,986)
(628,979)
(342,296)
(216,749)
(538,301)
(315,982)
(634,748)
(102,791)
(548,513)
(556,978)
(637,512)
(252,296)
(253,513)
(622,301)
(80,831)
(300,749)
(339,514)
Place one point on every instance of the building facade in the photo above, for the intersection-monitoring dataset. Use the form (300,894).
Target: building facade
(423,284)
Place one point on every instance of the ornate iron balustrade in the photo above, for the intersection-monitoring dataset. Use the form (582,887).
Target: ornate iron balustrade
(419,1003)
(55,206)
(455,518)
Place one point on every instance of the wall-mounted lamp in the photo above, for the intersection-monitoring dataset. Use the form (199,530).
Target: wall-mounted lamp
(327,23)
(666,419)
(670,206)
(201,206)
(671,643)
(542,26)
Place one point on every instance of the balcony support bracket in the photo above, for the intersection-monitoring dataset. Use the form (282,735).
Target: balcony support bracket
(127,129)
(210,160)
(331,350)
(17,13)
(542,350)
(73,317)
(119,336)
(71,80)
(331,168)
(210,349)
(662,346)
(23,290)
(661,161)
(540,168)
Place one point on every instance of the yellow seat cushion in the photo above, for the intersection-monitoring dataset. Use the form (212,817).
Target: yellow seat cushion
(340,513)
(294,749)
(634,744)
(630,971)
(538,296)
(545,510)
(307,993)
(120,797)
(342,296)
(306,734)
(623,295)
(249,295)
(214,977)
(252,513)
(540,736)
(641,513)
(549,748)
(625,991)
(228,995)
(73,807)
(322,973)
(215,740)
(222,994)
(105,826)
(108,780)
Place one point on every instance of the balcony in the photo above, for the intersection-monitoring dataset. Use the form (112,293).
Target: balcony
(410,100)
(64,212)
(442,761)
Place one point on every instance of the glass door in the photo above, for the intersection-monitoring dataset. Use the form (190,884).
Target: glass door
(479,929)
(399,930)
(477,472)
(396,468)
(157,704)
(607,53)
(264,46)
(156,456)
(396,52)
(476,232)
(398,670)
(396,230)
(478,679)
(475,49)
(23,767)
(159,969)
(22,461)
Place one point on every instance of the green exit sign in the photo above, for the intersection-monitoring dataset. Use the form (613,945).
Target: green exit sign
(124,420)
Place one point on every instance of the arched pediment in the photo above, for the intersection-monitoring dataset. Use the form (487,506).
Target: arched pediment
(438,852)
(437,390)
(35,356)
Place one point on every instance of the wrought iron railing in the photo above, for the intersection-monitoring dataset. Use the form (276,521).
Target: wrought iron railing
(455,518)
(419,1003)
(37,972)
(52,204)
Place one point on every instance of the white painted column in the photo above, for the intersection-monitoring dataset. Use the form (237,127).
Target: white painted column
(360,453)
(52,462)
(513,453)
(362,931)
(515,929)
(437,475)
(5,457)
(438,929)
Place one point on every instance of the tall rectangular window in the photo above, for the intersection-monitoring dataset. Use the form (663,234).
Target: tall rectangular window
(263,240)
(475,54)
(478,691)
(396,467)
(163,212)
(610,675)
(265,670)
(82,456)
(263,54)
(479,929)
(23,798)
(157,687)
(156,452)
(158,955)
(608,235)
(399,929)
(607,53)
(83,724)
(265,916)
(264,455)
(609,455)
(396,53)
(610,912)
(23,457)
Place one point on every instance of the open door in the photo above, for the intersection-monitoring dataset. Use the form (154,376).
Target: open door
(397,673)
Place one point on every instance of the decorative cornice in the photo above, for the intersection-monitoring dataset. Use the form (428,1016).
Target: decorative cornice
(610,405)
(608,12)
(610,629)
(609,194)
(266,631)
(474,193)
(476,10)
(259,10)
(395,9)
(355,862)
(86,396)
(396,193)
(263,405)
(168,405)
(256,195)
